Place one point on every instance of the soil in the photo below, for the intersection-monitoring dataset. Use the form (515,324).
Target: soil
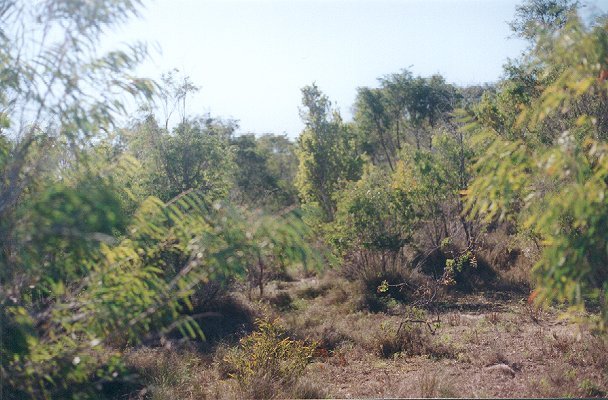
(474,345)
(501,347)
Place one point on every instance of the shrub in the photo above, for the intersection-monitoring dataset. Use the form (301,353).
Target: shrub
(409,340)
(282,301)
(457,268)
(268,360)
(379,290)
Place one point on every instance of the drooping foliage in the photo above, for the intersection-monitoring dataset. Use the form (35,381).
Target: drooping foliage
(134,291)
(108,236)
(547,170)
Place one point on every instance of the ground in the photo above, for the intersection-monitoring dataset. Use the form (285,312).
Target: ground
(474,345)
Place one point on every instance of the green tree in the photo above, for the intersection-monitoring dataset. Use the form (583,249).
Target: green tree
(282,162)
(538,17)
(327,153)
(403,110)
(374,121)
(556,189)
(265,169)
(197,154)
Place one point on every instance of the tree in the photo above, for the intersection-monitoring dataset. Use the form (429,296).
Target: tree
(537,17)
(374,120)
(397,92)
(57,94)
(431,102)
(282,162)
(197,154)
(253,180)
(327,153)
(557,189)
(62,89)
(265,171)
(403,110)
(172,95)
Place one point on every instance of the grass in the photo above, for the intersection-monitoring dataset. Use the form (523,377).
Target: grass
(481,346)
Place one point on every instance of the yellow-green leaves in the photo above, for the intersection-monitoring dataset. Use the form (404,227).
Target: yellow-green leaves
(552,181)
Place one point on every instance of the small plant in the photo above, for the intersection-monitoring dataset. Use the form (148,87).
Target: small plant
(591,389)
(268,359)
(408,341)
(457,267)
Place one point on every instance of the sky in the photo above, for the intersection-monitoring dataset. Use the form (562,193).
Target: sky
(252,57)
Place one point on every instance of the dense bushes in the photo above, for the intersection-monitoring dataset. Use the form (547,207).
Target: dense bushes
(552,180)
(120,237)
(528,154)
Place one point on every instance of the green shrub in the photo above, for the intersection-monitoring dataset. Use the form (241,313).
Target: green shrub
(547,170)
(267,360)
(372,216)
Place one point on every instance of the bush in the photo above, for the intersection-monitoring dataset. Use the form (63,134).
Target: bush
(409,340)
(282,301)
(267,360)
(380,287)
(372,216)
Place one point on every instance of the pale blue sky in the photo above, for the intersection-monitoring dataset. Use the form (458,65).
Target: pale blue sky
(252,57)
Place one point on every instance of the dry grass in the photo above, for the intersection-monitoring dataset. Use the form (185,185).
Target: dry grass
(483,346)
(410,340)
(308,389)
(169,374)
(312,291)
(431,385)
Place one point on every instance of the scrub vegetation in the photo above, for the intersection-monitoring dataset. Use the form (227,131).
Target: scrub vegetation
(449,241)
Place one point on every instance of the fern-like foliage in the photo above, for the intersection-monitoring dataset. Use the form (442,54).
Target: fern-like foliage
(136,290)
